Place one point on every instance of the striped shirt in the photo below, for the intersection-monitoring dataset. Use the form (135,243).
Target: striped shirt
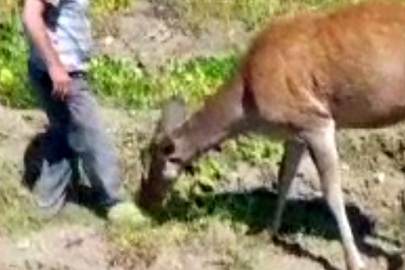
(68,27)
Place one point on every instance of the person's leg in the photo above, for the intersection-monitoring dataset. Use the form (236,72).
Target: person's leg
(87,138)
(55,174)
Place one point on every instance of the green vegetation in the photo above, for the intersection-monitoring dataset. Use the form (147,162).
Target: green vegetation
(122,81)
(102,7)
(18,213)
(14,90)
(253,13)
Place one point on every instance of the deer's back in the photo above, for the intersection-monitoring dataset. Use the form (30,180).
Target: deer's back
(349,65)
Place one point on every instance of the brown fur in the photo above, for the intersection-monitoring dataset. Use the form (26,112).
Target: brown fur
(302,78)
(348,65)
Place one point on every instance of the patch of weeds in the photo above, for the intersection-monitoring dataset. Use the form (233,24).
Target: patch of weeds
(255,149)
(16,205)
(105,7)
(14,87)
(221,240)
(240,259)
(15,90)
(392,227)
(216,167)
(10,7)
(197,78)
(253,13)
(124,83)
(191,200)
(135,245)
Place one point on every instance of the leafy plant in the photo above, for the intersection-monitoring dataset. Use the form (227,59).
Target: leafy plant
(14,86)
(122,82)
(104,7)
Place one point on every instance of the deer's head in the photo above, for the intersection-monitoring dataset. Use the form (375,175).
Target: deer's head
(162,167)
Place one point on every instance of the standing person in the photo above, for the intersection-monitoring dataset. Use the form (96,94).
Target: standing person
(59,36)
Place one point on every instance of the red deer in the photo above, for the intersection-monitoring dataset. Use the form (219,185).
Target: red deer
(302,79)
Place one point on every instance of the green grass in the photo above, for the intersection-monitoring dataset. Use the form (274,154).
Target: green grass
(104,7)
(14,90)
(123,82)
(16,205)
(253,13)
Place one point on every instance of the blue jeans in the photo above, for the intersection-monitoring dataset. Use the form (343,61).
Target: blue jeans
(75,134)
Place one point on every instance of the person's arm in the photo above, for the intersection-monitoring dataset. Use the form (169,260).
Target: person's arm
(33,20)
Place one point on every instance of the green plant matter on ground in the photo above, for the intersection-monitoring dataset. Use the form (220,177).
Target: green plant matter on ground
(253,13)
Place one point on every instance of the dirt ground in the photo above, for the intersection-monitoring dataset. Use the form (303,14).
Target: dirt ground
(373,182)
(373,166)
(152,33)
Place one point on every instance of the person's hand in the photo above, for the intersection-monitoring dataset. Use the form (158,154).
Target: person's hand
(61,81)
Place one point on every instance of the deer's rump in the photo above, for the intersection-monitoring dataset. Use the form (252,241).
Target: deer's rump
(349,65)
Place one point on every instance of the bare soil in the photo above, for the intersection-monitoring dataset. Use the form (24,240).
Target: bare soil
(373,182)
(153,33)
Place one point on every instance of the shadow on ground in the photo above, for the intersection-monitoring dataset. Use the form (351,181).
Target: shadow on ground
(308,216)
(77,192)
(253,208)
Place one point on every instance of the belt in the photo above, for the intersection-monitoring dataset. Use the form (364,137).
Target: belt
(77,74)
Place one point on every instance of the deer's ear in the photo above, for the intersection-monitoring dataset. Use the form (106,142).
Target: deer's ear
(173,115)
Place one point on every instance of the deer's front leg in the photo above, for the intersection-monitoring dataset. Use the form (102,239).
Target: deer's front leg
(321,144)
(293,152)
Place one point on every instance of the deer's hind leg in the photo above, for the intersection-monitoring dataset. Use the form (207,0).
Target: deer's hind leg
(293,152)
(321,144)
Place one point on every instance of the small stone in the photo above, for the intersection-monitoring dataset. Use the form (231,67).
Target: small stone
(345,167)
(380,178)
(108,40)
(23,244)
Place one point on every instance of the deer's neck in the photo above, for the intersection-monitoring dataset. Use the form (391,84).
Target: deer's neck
(216,120)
